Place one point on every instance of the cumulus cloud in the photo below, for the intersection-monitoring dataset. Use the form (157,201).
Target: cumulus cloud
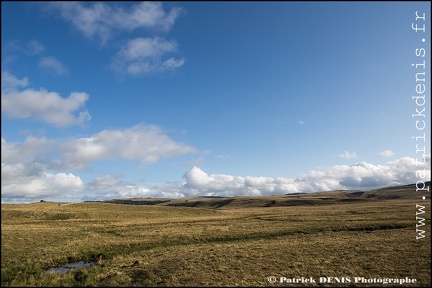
(111,187)
(360,176)
(25,176)
(386,153)
(53,64)
(100,20)
(147,143)
(348,155)
(35,167)
(199,182)
(41,104)
(142,56)
(32,148)
(104,182)
(29,181)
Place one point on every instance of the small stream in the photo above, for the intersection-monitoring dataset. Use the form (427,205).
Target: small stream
(71,266)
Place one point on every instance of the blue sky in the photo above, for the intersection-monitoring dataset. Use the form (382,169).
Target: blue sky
(106,100)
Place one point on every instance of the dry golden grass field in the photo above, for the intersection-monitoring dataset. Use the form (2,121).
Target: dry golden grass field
(238,241)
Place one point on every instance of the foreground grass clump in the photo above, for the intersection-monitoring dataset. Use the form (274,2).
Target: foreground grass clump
(138,245)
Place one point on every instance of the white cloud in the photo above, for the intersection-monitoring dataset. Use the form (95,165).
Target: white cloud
(25,176)
(28,167)
(104,183)
(111,187)
(41,104)
(34,47)
(386,153)
(31,48)
(365,175)
(148,15)
(361,176)
(53,64)
(9,81)
(27,181)
(348,155)
(199,182)
(139,56)
(172,64)
(196,178)
(142,56)
(101,20)
(142,48)
(34,149)
(146,143)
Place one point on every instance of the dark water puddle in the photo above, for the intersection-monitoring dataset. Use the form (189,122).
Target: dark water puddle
(71,266)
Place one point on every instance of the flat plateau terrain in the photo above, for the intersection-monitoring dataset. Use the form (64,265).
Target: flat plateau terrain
(238,241)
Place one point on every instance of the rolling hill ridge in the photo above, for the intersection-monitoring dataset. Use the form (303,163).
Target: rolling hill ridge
(295,199)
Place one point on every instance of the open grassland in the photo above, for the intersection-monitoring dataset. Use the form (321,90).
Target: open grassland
(237,242)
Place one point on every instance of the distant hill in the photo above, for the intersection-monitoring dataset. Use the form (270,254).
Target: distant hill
(295,199)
